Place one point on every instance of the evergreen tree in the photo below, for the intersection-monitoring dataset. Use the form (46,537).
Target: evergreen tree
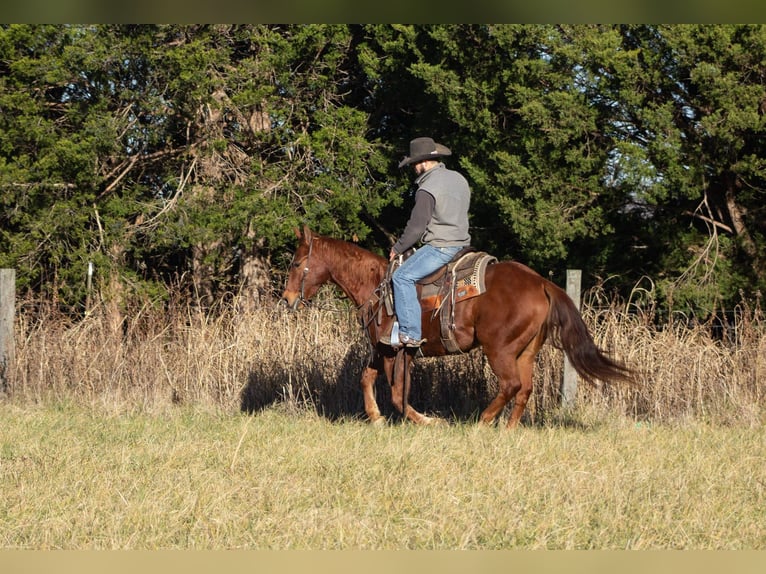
(687,122)
(181,157)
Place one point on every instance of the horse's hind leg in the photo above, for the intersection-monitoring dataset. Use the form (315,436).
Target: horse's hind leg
(526,363)
(514,379)
(509,383)
(519,379)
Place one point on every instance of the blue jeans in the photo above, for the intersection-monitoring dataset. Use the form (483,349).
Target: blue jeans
(423,262)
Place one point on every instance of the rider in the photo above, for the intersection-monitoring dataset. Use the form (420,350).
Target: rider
(439,220)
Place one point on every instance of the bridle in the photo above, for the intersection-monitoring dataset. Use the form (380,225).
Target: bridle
(301,294)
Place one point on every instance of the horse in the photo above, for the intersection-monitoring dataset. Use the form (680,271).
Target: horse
(510,321)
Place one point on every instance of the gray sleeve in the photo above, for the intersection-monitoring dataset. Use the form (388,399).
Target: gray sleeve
(419,218)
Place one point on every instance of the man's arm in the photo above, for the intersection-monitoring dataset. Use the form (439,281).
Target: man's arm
(416,226)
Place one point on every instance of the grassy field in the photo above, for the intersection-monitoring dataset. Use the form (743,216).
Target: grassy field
(193,431)
(81,478)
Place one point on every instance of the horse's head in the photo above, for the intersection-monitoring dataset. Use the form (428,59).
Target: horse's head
(307,271)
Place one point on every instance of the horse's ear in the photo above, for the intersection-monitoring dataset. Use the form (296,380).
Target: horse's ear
(306,233)
(297,232)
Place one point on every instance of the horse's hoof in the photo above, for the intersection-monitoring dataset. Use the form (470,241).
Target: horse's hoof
(433,421)
(378,421)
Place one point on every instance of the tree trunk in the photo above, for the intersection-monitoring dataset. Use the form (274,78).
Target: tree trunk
(255,275)
(738,217)
(204,273)
(733,216)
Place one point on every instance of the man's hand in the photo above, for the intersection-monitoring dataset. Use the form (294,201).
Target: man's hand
(392,255)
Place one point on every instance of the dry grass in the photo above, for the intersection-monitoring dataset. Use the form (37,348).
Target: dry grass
(143,439)
(78,479)
(235,361)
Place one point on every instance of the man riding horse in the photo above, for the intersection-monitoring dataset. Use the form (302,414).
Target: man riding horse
(439,220)
(510,317)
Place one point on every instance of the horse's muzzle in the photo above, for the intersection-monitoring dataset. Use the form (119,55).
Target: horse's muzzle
(292,299)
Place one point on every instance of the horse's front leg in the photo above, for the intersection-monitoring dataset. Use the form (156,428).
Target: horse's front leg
(369,375)
(396,371)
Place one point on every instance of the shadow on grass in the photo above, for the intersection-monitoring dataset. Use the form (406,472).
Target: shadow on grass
(318,384)
(454,389)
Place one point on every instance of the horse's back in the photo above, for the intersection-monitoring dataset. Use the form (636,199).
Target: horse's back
(514,279)
(514,292)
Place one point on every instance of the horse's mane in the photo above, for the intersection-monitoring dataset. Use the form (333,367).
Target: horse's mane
(351,260)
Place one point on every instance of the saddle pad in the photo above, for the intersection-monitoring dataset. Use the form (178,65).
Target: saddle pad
(467,276)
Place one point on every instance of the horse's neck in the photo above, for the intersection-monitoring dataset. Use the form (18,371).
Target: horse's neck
(357,272)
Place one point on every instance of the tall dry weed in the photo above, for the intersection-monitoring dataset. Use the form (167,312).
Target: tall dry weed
(712,370)
(235,360)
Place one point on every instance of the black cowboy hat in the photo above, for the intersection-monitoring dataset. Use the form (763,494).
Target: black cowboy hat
(422,149)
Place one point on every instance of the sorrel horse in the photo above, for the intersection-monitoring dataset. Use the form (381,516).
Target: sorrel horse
(511,320)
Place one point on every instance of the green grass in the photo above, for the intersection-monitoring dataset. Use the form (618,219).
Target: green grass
(87,477)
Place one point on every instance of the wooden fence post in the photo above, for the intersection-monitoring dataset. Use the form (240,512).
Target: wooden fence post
(569,380)
(7,314)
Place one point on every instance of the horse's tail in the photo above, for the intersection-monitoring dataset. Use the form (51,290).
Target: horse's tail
(569,333)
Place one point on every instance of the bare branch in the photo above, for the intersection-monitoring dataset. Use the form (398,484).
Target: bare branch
(170,204)
(710,221)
